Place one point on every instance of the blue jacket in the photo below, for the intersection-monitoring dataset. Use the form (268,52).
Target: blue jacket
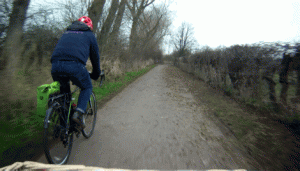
(78,43)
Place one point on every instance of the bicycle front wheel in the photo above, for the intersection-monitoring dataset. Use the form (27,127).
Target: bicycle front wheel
(57,144)
(90,117)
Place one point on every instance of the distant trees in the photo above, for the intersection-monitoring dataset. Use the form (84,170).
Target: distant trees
(150,23)
(124,28)
(73,9)
(183,40)
(5,10)
(153,27)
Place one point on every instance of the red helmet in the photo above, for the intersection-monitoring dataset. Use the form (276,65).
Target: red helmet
(87,21)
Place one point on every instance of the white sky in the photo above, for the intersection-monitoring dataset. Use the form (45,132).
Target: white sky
(229,22)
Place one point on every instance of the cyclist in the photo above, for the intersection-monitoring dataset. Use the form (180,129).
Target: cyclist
(69,59)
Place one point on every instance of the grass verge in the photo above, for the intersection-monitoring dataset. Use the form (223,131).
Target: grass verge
(22,132)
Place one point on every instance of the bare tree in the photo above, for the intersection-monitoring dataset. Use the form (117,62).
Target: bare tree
(107,25)
(184,40)
(154,26)
(118,22)
(95,12)
(136,10)
(70,11)
(74,10)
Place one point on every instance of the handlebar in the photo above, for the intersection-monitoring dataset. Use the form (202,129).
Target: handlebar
(101,73)
(102,77)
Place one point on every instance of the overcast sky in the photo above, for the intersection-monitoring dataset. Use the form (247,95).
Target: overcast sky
(229,22)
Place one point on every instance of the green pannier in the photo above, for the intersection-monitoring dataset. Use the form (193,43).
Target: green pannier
(43,93)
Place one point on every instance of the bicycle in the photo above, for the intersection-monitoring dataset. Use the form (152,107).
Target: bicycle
(58,116)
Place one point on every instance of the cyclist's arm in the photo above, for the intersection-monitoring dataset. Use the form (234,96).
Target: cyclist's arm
(95,58)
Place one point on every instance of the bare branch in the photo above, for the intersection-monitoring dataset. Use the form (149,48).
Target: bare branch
(184,39)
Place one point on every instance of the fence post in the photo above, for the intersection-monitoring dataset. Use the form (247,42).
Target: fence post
(225,81)
(298,86)
(260,86)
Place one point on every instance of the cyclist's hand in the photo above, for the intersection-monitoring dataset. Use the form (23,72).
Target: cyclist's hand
(93,76)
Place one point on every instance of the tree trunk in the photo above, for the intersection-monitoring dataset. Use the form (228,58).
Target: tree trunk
(11,53)
(40,53)
(136,13)
(118,22)
(14,33)
(107,24)
(272,94)
(283,93)
(132,38)
(150,34)
(95,12)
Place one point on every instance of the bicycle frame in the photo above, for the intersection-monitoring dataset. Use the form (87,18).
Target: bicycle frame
(51,100)
(65,95)
(59,118)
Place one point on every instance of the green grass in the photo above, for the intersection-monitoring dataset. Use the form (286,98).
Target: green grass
(22,125)
(121,81)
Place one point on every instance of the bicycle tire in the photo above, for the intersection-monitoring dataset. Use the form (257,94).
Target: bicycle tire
(91,111)
(52,118)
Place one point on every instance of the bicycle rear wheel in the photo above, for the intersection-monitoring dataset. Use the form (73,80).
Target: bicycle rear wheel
(57,144)
(90,117)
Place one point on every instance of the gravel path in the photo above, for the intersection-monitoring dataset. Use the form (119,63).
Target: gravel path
(155,123)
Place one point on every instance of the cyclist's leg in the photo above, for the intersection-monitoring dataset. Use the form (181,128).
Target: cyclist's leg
(64,84)
(82,79)
(61,74)
(58,74)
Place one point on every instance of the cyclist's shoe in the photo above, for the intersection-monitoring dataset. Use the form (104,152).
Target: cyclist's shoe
(78,118)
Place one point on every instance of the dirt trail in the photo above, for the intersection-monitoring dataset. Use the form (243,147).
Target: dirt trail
(155,123)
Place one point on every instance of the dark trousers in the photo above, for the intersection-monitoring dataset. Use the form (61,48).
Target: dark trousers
(66,71)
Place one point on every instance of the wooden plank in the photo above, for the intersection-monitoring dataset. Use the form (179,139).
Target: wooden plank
(30,165)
